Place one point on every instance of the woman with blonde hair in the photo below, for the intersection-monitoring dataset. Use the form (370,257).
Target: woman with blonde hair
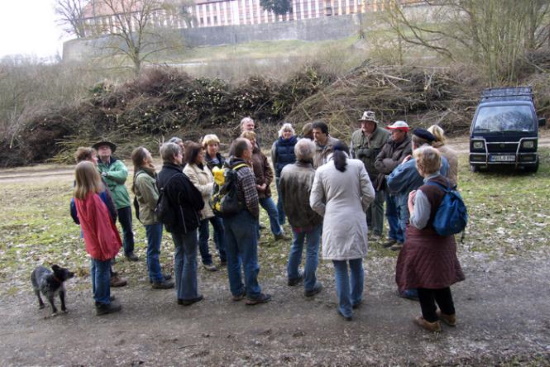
(428,261)
(449,153)
(101,236)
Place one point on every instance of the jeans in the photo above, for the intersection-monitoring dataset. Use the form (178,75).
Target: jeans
(203,242)
(185,264)
(428,298)
(125,220)
(280,208)
(242,252)
(100,272)
(269,206)
(375,214)
(403,213)
(154,239)
(313,237)
(349,287)
(392,214)
(219,237)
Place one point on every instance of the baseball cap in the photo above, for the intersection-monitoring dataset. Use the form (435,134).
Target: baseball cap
(399,125)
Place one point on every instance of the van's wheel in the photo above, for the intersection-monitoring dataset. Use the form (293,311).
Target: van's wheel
(474,168)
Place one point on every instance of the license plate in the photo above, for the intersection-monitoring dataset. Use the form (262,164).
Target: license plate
(503,158)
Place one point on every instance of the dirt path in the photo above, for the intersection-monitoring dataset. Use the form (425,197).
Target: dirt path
(502,309)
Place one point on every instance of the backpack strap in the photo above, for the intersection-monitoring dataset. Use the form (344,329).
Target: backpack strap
(239,166)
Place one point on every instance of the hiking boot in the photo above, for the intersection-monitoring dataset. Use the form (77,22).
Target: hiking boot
(390,243)
(210,267)
(189,302)
(262,298)
(295,281)
(117,281)
(167,284)
(317,288)
(238,297)
(281,237)
(132,257)
(434,327)
(447,319)
(396,246)
(104,309)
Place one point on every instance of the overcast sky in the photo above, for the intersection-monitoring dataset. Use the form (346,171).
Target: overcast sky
(28,27)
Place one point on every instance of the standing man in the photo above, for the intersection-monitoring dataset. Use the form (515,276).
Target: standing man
(324,143)
(366,144)
(241,231)
(295,185)
(392,154)
(115,173)
(247,124)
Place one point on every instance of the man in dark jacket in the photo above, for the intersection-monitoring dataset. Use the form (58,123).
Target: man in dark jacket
(241,231)
(295,184)
(392,154)
(185,203)
(366,144)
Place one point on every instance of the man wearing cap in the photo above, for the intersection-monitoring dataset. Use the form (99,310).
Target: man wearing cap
(115,173)
(392,154)
(366,144)
(404,179)
(323,143)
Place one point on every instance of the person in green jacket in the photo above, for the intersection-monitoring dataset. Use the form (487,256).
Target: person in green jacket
(115,173)
(366,143)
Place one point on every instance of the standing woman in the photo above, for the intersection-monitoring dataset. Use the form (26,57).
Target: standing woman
(428,261)
(202,178)
(341,193)
(282,153)
(445,151)
(101,237)
(147,194)
(213,158)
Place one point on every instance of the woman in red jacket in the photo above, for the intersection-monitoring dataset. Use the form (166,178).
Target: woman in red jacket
(100,234)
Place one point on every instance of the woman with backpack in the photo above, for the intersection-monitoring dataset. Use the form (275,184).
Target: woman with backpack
(147,194)
(428,260)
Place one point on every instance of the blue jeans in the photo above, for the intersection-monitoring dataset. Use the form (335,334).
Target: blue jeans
(312,256)
(349,287)
(100,272)
(219,236)
(242,252)
(185,264)
(280,207)
(125,220)
(269,206)
(154,239)
(403,212)
(392,214)
(204,234)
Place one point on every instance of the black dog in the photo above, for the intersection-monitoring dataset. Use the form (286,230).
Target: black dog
(49,284)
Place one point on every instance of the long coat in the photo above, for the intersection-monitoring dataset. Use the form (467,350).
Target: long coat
(342,198)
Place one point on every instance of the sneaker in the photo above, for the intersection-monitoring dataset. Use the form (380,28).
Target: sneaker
(390,243)
(295,281)
(262,298)
(434,327)
(210,267)
(317,288)
(167,284)
(396,246)
(189,302)
(117,281)
(132,257)
(447,319)
(104,309)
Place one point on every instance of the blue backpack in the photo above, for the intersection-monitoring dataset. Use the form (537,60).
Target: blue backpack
(452,215)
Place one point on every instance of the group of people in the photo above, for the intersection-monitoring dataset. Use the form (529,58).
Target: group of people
(328,193)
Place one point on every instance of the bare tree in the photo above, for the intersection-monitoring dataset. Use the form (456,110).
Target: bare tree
(494,34)
(70,16)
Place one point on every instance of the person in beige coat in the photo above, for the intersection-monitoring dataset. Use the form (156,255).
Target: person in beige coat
(449,153)
(341,193)
(201,177)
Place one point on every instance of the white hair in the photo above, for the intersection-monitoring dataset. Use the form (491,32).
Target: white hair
(287,126)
